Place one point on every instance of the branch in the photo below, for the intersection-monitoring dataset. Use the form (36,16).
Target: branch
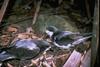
(3,9)
(74,60)
(36,12)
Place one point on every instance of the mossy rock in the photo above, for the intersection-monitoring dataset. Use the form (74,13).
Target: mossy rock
(53,20)
(43,21)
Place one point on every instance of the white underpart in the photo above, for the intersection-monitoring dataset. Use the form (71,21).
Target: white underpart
(49,33)
(62,46)
(0,64)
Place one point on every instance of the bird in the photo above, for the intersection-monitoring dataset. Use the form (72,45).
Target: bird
(23,49)
(66,39)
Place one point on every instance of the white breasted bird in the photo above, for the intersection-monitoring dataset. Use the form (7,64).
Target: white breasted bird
(66,39)
(23,49)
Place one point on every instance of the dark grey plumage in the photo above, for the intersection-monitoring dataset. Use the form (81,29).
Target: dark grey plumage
(23,49)
(66,39)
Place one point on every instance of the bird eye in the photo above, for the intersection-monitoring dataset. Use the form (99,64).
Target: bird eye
(51,28)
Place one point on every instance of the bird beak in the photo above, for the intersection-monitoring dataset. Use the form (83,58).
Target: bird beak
(49,33)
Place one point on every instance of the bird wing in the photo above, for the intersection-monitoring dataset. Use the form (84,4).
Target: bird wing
(81,40)
(5,56)
(67,34)
(24,49)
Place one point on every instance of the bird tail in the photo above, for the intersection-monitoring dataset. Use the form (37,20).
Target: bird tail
(81,40)
(86,34)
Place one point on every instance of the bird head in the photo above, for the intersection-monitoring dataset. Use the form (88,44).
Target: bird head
(51,30)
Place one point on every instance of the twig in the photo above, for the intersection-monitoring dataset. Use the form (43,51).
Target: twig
(3,9)
(61,56)
(87,8)
(53,64)
(36,12)
(46,50)
(9,65)
(60,1)
(46,64)
(14,22)
(72,2)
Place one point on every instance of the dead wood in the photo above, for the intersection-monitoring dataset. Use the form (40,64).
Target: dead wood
(85,62)
(74,60)
(36,12)
(3,9)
